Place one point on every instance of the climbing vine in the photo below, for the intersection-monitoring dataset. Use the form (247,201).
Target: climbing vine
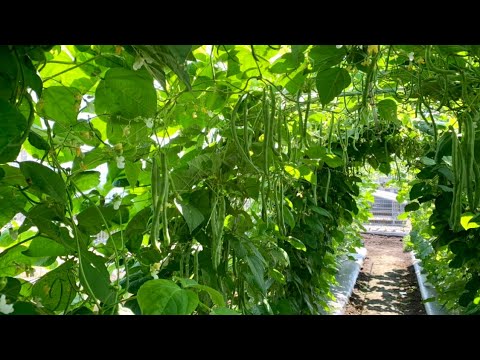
(222,179)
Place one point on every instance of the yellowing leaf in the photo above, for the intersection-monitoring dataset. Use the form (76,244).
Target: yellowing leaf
(308,174)
(292,171)
(465,221)
(310,177)
(372,49)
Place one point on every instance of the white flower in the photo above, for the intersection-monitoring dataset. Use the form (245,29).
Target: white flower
(122,310)
(338,46)
(4,307)
(147,58)
(196,248)
(210,114)
(116,203)
(102,238)
(139,61)
(120,162)
(154,270)
(410,56)
(149,123)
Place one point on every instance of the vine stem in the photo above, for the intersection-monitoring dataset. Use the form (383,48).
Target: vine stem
(71,68)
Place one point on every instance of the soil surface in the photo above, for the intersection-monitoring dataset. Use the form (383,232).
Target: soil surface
(386,284)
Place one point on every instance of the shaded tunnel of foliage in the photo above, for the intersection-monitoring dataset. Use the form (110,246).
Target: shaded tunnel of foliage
(224,179)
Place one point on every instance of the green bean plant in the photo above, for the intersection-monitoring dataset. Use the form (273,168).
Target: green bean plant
(198,179)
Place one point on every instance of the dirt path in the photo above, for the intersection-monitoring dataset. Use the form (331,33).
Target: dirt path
(387,284)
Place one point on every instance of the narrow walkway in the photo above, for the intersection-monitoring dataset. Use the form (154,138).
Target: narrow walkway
(387,284)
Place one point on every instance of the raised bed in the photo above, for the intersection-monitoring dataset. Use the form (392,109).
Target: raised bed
(427,290)
(346,277)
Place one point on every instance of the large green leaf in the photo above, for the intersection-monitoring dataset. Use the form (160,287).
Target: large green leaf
(61,104)
(331,82)
(191,214)
(288,217)
(224,311)
(137,133)
(31,78)
(25,308)
(448,173)
(12,127)
(86,180)
(67,73)
(132,172)
(44,217)
(120,216)
(474,283)
(37,141)
(333,160)
(82,132)
(456,262)
(297,244)
(13,262)
(384,167)
(316,151)
(136,228)
(180,52)
(13,176)
(91,220)
(44,180)
(11,202)
(321,211)
(214,100)
(124,95)
(164,297)
(419,189)
(10,287)
(412,206)
(149,255)
(297,80)
(257,269)
(8,72)
(42,246)
(6,239)
(387,109)
(173,56)
(287,62)
(17,72)
(325,56)
(91,160)
(95,278)
(217,297)
(56,289)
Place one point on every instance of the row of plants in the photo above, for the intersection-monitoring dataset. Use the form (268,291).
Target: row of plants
(196,179)
(446,190)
